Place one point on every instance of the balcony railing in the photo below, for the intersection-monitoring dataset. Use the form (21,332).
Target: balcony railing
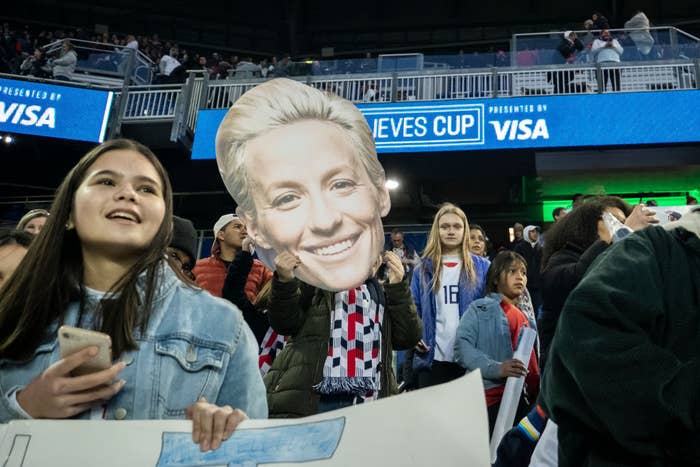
(180,104)
(107,64)
(464,84)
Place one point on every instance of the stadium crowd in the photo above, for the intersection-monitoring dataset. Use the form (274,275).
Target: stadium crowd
(22,51)
(613,298)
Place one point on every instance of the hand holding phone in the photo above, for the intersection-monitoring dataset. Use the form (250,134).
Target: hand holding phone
(71,340)
(57,394)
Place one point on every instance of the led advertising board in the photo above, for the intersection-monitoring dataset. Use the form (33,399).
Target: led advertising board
(515,123)
(55,111)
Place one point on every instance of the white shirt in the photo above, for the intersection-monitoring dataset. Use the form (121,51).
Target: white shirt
(168,64)
(546,452)
(606,54)
(447,308)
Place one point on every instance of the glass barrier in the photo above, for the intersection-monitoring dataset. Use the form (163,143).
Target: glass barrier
(661,43)
(107,60)
(381,64)
(643,44)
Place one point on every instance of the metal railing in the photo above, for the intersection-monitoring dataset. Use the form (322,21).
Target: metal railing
(467,84)
(222,94)
(152,102)
(181,103)
(376,87)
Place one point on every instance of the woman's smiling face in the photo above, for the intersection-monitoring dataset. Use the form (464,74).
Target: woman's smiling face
(314,199)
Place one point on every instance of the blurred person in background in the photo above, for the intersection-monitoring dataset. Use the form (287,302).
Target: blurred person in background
(13,246)
(530,249)
(477,240)
(33,221)
(210,273)
(64,66)
(559,213)
(607,50)
(183,246)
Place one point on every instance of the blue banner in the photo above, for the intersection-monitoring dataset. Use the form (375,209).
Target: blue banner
(515,123)
(54,111)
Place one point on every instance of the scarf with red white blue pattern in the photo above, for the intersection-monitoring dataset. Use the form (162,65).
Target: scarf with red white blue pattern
(354,347)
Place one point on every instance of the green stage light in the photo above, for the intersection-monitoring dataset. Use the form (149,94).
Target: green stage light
(673,200)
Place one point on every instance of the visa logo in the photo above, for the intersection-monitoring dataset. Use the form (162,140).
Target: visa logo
(31,115)
(520,129)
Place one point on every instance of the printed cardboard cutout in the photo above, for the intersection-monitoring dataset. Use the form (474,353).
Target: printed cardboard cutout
(303,169)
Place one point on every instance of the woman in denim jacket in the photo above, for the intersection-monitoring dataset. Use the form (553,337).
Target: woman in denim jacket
(100,264)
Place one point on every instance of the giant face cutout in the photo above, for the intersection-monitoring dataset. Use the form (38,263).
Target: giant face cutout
(312,196)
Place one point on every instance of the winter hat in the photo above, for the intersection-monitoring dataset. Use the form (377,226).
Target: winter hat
(567,34)
(184,236)
(526,234)
(220,224)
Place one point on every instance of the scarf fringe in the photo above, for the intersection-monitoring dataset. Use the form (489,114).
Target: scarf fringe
(357,386)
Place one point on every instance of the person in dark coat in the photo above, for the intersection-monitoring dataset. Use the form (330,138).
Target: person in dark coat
(622,382)
(565,54)
(530,249)
(572,245)
(599,21)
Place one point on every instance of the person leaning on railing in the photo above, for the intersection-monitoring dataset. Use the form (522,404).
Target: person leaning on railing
(607,49)
(64,66)
(565,53)
(35,65)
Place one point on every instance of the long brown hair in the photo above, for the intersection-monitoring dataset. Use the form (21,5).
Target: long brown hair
(433,248)
(50,276)
(500,264)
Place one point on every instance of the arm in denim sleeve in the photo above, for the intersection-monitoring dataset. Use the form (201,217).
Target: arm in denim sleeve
(466,353)
(10,408)
(242,387)
(416,288)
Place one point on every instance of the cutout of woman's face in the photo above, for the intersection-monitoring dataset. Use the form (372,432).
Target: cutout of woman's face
(314,199)
(119,206)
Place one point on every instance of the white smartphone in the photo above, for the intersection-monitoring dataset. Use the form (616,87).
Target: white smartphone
(71,340)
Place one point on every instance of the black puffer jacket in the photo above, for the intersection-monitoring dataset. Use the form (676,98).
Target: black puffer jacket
(562,273)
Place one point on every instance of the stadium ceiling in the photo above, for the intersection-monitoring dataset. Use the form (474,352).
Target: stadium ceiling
(306,26)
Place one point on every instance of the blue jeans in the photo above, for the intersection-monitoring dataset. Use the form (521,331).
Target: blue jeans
(330,402)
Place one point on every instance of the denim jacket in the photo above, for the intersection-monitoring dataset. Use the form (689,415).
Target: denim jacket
(195,345)
(483,339)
